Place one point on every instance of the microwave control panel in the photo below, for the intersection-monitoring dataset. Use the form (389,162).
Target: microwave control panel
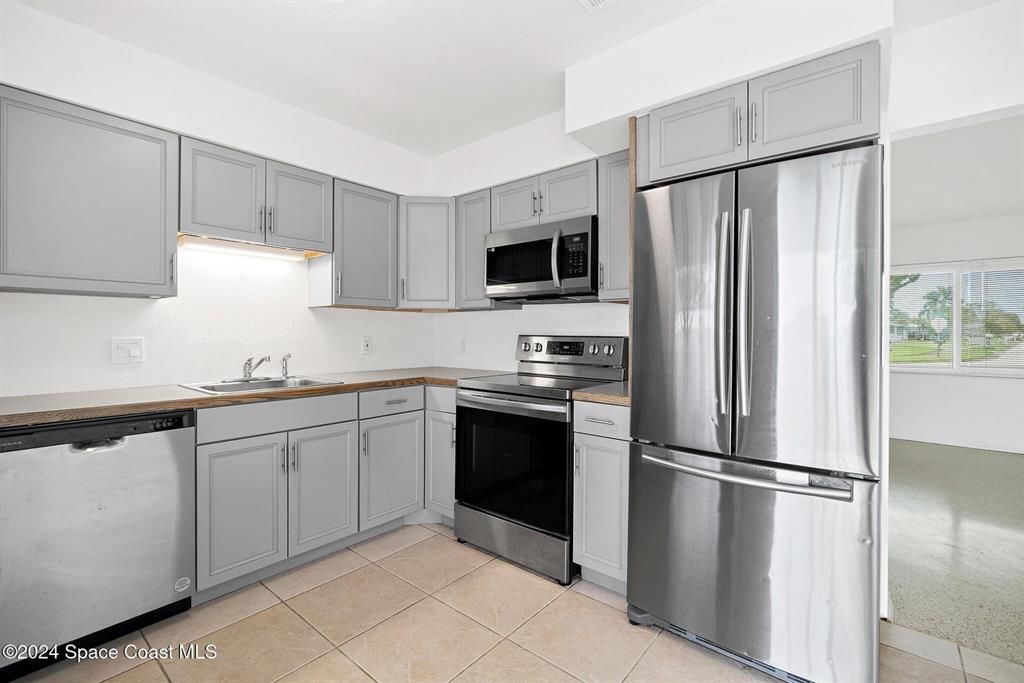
(576,255)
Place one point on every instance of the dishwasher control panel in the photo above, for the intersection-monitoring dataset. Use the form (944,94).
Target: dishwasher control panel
(87,431)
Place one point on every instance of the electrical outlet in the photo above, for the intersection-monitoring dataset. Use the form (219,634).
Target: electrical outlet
(366,346)
(463,345)
(127,349)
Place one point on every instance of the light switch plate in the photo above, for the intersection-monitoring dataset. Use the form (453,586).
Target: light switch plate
(366,346)
(127,349)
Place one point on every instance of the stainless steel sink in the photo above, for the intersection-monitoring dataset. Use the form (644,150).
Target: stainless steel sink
(239,386)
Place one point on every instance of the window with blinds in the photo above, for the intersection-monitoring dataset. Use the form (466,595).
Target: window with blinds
(961,317)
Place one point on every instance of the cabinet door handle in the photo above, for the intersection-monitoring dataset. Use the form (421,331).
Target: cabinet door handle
(366,442)
(753,121)
(534,203)
(338,287)
(599,420)
(403,289)
(739,126)
(453,436)
(261,219)
(270,219)
(295,457)
(600,275)
(540,203)
(284,458)
(174,273)
(576,457)
(396,401)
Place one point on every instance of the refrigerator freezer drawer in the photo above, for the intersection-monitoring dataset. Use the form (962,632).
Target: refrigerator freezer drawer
(775,565)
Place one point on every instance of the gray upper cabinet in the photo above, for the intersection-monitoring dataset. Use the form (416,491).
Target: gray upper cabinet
(823,101)
(88,202)
(323,485)
(439,487)
(223,192)
(241,507)
(568,192)
(472,225)
(365,247)
(613,280)
(699,133)
(514,205)
(426,248)
(299,208)
(391,474)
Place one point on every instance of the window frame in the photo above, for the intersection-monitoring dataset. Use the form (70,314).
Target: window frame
(957,268)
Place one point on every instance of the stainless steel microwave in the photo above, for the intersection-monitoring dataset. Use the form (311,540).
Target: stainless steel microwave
(551,261)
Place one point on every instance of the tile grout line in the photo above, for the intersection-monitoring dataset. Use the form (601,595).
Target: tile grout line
(321,634)
(353,548)
(159,663)
(644,653)
(963,665)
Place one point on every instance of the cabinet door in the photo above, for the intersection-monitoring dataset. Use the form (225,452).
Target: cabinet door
(299,208)
(241,507)
(365,246)
(426,247)
(223,192)
(323,486)
(613,227)
(440,463)
(600,504)
(514,205)
(472,225)
(824,101)
(88,202)
(391,474)
(698,134)
(568,192)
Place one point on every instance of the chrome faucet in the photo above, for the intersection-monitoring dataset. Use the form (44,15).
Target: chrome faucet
(248,367)
(284,364)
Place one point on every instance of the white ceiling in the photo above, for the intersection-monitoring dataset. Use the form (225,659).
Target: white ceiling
(961,174)
(429,75)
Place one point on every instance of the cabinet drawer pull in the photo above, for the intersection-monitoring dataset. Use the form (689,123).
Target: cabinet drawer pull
(396,401)
(599,420)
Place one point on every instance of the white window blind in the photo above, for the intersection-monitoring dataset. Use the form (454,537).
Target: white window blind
(921,319)
(992,319)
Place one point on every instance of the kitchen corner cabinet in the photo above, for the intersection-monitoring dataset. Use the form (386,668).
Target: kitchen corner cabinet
(613,281)
(391,472)
(363,270)
(439,489)
(426,252)
(88,201)
(820,102)
(556,195)
(237,196)
(241,507)
(472,225)
(323,485)
(600,504)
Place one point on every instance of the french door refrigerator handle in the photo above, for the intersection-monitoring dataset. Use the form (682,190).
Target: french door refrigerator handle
(554,258)
(817,491)
(742,314)
(722,322)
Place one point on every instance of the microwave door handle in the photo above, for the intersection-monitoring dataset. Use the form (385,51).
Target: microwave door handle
(554,258)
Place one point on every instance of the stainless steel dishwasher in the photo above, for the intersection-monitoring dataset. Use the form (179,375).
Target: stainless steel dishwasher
(97,528)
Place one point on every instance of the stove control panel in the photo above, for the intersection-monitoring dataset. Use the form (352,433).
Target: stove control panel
(605,351)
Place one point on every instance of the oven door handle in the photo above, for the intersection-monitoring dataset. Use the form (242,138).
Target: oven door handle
(556,411)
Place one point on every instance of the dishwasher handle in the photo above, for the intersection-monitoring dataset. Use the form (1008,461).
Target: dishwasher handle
(97,445)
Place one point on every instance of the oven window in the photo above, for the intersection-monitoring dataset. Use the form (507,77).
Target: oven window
(516,263)
(515,467)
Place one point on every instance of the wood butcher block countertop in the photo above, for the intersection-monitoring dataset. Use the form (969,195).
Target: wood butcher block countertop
(616,394)
(36,409)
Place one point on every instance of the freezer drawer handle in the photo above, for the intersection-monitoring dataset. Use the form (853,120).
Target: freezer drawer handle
(96,445)
(818,491)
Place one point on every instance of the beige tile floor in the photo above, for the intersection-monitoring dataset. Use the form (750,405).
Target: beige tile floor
(414,605)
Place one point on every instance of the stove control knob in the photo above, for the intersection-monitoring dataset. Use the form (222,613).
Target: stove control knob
(594,349)
(526,346)
(609,349)
(538,347)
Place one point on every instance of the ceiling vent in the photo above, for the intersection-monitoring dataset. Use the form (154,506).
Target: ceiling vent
(595,6)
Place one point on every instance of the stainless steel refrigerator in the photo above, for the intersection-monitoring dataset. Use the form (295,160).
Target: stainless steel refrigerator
(754,467)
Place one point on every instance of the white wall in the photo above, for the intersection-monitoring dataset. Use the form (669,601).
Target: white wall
(229,307)
(972,240)
(54,57)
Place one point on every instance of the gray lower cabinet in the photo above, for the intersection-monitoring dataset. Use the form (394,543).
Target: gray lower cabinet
(827,100)
(699,133)
(223,192)
(299,208)
(472,225)
(241,507)
(323,485)
(439,489)
(514,205)
(391,471)
(426,249)
(363,270)
(613,280)
(600,504)
(568,192)
(88,201)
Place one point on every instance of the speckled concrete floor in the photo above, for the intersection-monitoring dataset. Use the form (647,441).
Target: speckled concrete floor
(956,545)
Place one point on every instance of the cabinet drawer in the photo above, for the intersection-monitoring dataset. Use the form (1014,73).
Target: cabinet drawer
(389,401)
(441,399)
(232,422)
(601,419)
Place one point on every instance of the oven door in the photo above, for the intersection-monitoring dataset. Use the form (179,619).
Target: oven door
(542,261)
(514,459)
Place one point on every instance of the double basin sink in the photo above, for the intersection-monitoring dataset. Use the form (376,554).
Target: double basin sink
(239,386)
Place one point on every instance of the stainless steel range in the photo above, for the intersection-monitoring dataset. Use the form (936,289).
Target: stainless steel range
(513,462)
